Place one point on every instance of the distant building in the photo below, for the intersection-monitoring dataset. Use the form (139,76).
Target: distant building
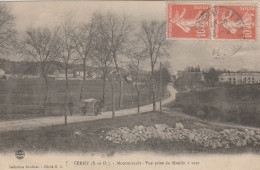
(94,75)
(79,73)
(61,74)
(2,72)
(30,76)
(14,76)
(173,77)
(239,78)
(178,74)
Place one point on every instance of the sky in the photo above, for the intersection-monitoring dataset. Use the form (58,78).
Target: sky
(183,53)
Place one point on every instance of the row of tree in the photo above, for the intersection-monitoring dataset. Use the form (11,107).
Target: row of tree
(193,77)
(106,40)
(192,69)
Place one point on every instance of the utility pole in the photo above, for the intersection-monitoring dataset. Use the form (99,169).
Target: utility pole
(160,86)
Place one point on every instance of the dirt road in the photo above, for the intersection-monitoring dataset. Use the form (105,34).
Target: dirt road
(27,124)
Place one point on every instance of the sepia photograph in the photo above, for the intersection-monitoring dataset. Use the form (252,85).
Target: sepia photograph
(129,85)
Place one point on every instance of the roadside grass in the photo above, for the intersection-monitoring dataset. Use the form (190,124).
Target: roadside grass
(22,99)
(63,139)
(238,104)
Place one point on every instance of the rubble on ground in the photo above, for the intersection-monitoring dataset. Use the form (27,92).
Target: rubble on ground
(199,124)
(179,126)
(202,137)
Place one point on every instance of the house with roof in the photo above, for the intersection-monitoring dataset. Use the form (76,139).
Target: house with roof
(239,78)
(79,73)
(60,74)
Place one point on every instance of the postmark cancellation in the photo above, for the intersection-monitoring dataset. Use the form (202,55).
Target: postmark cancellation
(211,21)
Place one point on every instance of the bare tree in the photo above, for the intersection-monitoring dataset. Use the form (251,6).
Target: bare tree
(84,41)
(41,45)
(7,33)
(112,78)
(115,31)
(136,56)
(153,37)
(103,60)
(67,49)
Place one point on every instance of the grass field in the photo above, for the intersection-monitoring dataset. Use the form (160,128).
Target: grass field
(238,104)
(24,98)
(62,139)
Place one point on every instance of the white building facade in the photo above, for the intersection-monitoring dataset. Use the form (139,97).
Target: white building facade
(239,78)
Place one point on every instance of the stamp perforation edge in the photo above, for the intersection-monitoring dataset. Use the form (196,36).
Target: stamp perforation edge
(183,2)
(212,3)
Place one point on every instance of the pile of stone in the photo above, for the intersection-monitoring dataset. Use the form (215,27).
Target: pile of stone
(201,137)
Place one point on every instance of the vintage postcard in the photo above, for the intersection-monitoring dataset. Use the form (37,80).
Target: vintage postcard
(129,85)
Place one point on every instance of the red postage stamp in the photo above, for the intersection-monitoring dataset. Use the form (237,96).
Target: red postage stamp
(188,21)
(234,22)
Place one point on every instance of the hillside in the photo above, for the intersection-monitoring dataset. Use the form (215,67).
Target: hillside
(33,68)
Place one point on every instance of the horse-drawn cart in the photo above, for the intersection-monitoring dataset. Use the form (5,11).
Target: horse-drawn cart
(91,106)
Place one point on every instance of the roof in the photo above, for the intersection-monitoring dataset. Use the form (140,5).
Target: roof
(241,74)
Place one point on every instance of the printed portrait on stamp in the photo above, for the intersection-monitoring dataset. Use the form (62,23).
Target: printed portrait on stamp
(235,22)
(188,21)
(211,21)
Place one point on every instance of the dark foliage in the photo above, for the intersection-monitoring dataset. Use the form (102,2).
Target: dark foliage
(229,104)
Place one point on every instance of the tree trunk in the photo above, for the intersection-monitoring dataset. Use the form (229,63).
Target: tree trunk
(160,87)
(121,92)
(132,95)
(82,91)
(153,88)
(138,100)
(104,87)
(147,94)
(113,102)
(120,81)
(66,95)
(46,94)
